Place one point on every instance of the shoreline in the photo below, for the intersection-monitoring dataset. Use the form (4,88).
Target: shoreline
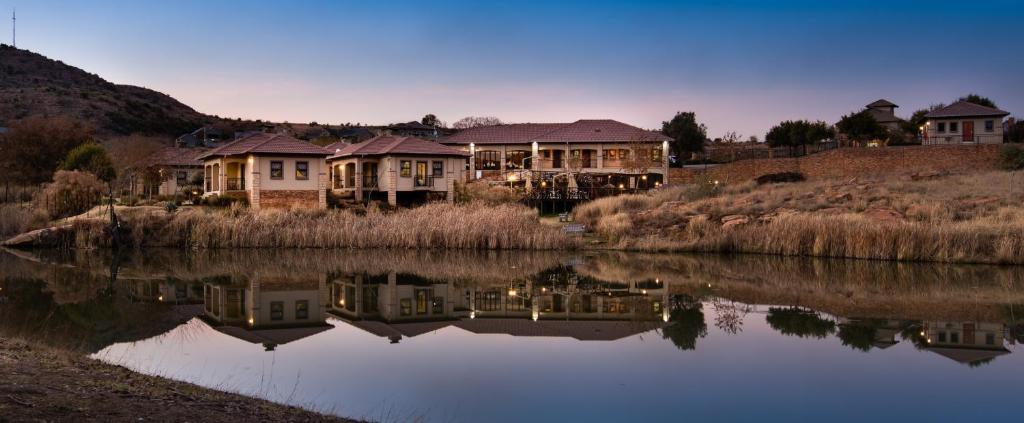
(44,383)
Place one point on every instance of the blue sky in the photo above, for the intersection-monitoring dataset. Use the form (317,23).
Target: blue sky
(741,65)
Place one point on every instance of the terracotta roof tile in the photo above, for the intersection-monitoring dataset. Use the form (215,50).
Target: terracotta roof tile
(965,109)
(177,156)
(389,144)
(584,130)
(264,143)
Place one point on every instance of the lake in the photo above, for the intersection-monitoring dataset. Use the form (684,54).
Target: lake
(541,336)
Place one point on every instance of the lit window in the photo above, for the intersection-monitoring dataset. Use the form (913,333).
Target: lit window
(405,168)
(276,169)
(301,171)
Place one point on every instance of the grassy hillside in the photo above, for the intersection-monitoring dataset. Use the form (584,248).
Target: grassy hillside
(32,84)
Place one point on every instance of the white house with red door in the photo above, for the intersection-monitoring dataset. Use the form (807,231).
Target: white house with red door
(963,123)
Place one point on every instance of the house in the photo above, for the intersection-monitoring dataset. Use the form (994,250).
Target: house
(884,111)
(203,137)
(963,123)
(970,343)
(353,135)
(597,152)
(270,170)
(267,310)
(412,129)
(180,168)
(400,166)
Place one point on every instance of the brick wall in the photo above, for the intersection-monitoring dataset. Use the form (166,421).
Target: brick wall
(856,162)
(286,199)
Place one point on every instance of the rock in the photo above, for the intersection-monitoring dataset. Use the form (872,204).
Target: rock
(883,214)
(839,198)
(46,237)
(778,213)
(734,220)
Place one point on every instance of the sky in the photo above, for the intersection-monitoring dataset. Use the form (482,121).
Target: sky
(740,65)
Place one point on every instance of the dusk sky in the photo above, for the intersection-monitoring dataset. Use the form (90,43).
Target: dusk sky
(741,66)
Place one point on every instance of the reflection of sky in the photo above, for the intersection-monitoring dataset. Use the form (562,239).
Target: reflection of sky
(742,65)
(452,374)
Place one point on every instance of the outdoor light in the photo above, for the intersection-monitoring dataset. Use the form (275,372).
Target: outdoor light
(160,298)
(512,292)
(472,314)
(622,186)
(543,289)
(922,333)
(252,321)
(535,315)
(250,160)
(657,281)
(341,302)
(644,177)
(643,291)
(716,182)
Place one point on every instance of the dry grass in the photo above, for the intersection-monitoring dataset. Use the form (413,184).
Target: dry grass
(17,218)
(975,218)
(438,225)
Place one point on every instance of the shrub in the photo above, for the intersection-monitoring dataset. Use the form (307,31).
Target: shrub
(1011,157)
(16,219)
(70,193)
(781,177)
(484,192)
(92,158)
(224,201)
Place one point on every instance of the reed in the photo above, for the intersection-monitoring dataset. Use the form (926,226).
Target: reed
(438,225)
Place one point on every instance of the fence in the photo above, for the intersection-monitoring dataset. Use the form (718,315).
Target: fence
(19,193)
(728,154)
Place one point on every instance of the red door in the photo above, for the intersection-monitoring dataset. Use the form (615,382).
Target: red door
(968,131)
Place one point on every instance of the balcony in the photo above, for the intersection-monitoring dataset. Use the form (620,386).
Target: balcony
(424,182)
(235,184)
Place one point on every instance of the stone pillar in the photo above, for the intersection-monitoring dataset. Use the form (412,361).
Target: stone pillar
(450,184)
(254,190)
(535,161)
(502,163)
(322,190)
(600,156)
(359,180)
(222,183)
(472,161)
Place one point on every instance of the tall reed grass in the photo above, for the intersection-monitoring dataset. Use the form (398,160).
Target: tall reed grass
(472,226)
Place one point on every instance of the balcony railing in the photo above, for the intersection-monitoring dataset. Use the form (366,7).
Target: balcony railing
(423,182)
(369,181)
(235,184)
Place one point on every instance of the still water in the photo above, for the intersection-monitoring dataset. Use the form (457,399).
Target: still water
(430,336)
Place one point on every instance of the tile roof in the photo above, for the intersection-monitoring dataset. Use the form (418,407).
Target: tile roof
(584,130)
(389,144)
(335,146)
(264,143)
(965,109)
(882,103)
(177,156)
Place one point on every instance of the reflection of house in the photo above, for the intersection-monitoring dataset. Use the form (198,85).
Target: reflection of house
(399,166)
(884,111)
(398,305)
(964,122)
(176,292)
(970,343)
(268,311)
(270,170)
(605,150)
(883,332)
(179,168)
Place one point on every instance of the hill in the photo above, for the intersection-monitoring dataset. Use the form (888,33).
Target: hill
(32,84)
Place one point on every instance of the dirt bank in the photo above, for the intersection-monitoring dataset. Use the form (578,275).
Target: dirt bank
(43,384)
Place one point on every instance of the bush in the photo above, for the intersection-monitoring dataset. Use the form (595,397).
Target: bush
(70,193)
(484,192)
(92,158)
(16,219)
(224,201)
(1011,157)
(780,178)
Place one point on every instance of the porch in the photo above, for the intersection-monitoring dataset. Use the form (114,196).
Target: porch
(224,176)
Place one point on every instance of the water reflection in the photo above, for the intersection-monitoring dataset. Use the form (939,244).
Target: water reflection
(555,315)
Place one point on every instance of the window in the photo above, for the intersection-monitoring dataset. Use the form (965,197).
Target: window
(421,300)
(517,160)
(437,307)
(942,127)
(545,154)
(953,126)
(623,154)
(611,154)
(276,310)
(990,125)
(405,168)
(276,169)
(437,169)
(954,337)
(302,309)
(488,160)
(301,171)
(406,307)
(656,154)
(942,336)
(990,339)
(181,177)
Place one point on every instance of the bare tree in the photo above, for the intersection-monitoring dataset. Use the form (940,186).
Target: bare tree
(132,156)
(475,121)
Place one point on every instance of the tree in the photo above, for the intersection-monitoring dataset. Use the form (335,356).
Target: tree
(34,147)
(132,161)
(475,121)
(431,120)
(687,135)
(979,100)
(796,133)
(862,127)
(1015,132)
(731,137)
(90,157)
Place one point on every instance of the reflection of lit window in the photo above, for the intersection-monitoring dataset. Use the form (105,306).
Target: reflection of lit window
(438,305)
(276,310)
(406,307)
(421,300)
(302,309)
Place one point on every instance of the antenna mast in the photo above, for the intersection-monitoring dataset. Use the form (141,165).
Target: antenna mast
(14,27)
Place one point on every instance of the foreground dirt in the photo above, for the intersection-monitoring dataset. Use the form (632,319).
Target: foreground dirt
(41,384)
